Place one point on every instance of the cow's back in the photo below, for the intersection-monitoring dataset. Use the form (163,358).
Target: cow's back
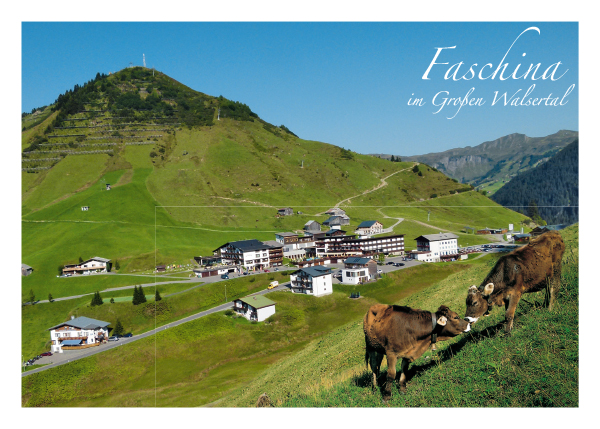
(534,263)
(394,327)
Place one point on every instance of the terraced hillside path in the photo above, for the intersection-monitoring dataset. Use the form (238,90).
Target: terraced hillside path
(379,186)
(391,228)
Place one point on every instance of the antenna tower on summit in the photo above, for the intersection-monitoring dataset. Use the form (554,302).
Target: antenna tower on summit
(144,58)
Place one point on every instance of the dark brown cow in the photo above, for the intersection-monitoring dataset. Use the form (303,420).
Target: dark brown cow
(531,268)
(403,332)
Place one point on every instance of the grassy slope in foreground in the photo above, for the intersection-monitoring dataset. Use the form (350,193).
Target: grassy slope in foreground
(536,366)
(200,361)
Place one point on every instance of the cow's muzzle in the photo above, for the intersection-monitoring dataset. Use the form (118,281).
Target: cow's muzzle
(471,319)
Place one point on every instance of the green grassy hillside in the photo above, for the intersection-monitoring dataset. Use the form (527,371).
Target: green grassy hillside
(201,361)
(537,365)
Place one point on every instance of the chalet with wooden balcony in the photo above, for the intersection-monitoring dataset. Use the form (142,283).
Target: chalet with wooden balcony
(250,254)
(316,281)
(369,227)
(254,308)
(92,265)
(77,333)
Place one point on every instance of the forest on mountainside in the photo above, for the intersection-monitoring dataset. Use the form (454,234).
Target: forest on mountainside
(553,187)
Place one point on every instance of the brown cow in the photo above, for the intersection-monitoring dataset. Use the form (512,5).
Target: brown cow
(403,332)
(531,268)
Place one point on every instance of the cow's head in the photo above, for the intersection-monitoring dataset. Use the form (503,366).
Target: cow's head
(477,302)
(451,323)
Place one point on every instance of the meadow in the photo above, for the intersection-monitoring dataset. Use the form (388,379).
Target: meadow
(201,361)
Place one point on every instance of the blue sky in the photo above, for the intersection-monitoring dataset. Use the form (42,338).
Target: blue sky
(342,83)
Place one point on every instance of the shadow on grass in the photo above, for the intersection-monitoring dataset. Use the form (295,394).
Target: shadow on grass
(364,379)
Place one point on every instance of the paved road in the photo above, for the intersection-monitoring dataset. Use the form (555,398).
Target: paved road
(58,359)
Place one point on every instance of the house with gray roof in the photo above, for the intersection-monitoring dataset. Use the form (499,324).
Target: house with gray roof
(26,270)
(316,281)
(312,226)
(78,333)
(92,265)
(435,247)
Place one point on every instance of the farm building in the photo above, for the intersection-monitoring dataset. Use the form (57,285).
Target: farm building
(522,238)
(312,226)
(26,270)
(315,281)
(286,211)
(541,229)
(337,221)
(92,265)
(256,307)
(492,230)
(80,332)
(335,211)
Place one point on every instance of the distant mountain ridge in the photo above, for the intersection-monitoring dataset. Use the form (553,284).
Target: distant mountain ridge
(553,186)
(496,160)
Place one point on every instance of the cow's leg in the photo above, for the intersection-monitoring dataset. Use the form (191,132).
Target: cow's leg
(391,375)
(375,359)
(511,307)
(555,284)
(403,369)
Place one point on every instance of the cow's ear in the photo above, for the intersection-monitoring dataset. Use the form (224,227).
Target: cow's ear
(488,289)
(443,310)
(473,289)
(442,321)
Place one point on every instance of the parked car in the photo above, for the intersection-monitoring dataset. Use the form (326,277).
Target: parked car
(225,276)
(398,264)
(379,271)
(390,263)
(129,335)
(113,338)
(266,271)
(245,273)
(276,269)
(46,354)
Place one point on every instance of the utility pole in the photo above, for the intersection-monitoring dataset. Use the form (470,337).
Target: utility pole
(428,213)
(225,293)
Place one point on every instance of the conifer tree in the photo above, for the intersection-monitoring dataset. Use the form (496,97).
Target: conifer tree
(157,296)
(50,299)
(142,295)
(118,328)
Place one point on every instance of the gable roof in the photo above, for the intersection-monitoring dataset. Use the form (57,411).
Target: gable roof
(247,245)
(356,260)
(257,301)
(27,267)
(83,323)
(286,234)
(438,237)
(316,271)
(367,224)
(97,258)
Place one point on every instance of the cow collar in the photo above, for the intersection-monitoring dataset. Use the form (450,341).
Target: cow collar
(434,324)
(490,305)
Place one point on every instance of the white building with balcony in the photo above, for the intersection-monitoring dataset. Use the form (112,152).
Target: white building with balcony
(78,332)
(435,247)
(316,281)
(254,308)
(251,254)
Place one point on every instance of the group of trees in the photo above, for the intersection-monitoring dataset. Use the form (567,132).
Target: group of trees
(395,159)
(549,191)
(138,296)
(96,300)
